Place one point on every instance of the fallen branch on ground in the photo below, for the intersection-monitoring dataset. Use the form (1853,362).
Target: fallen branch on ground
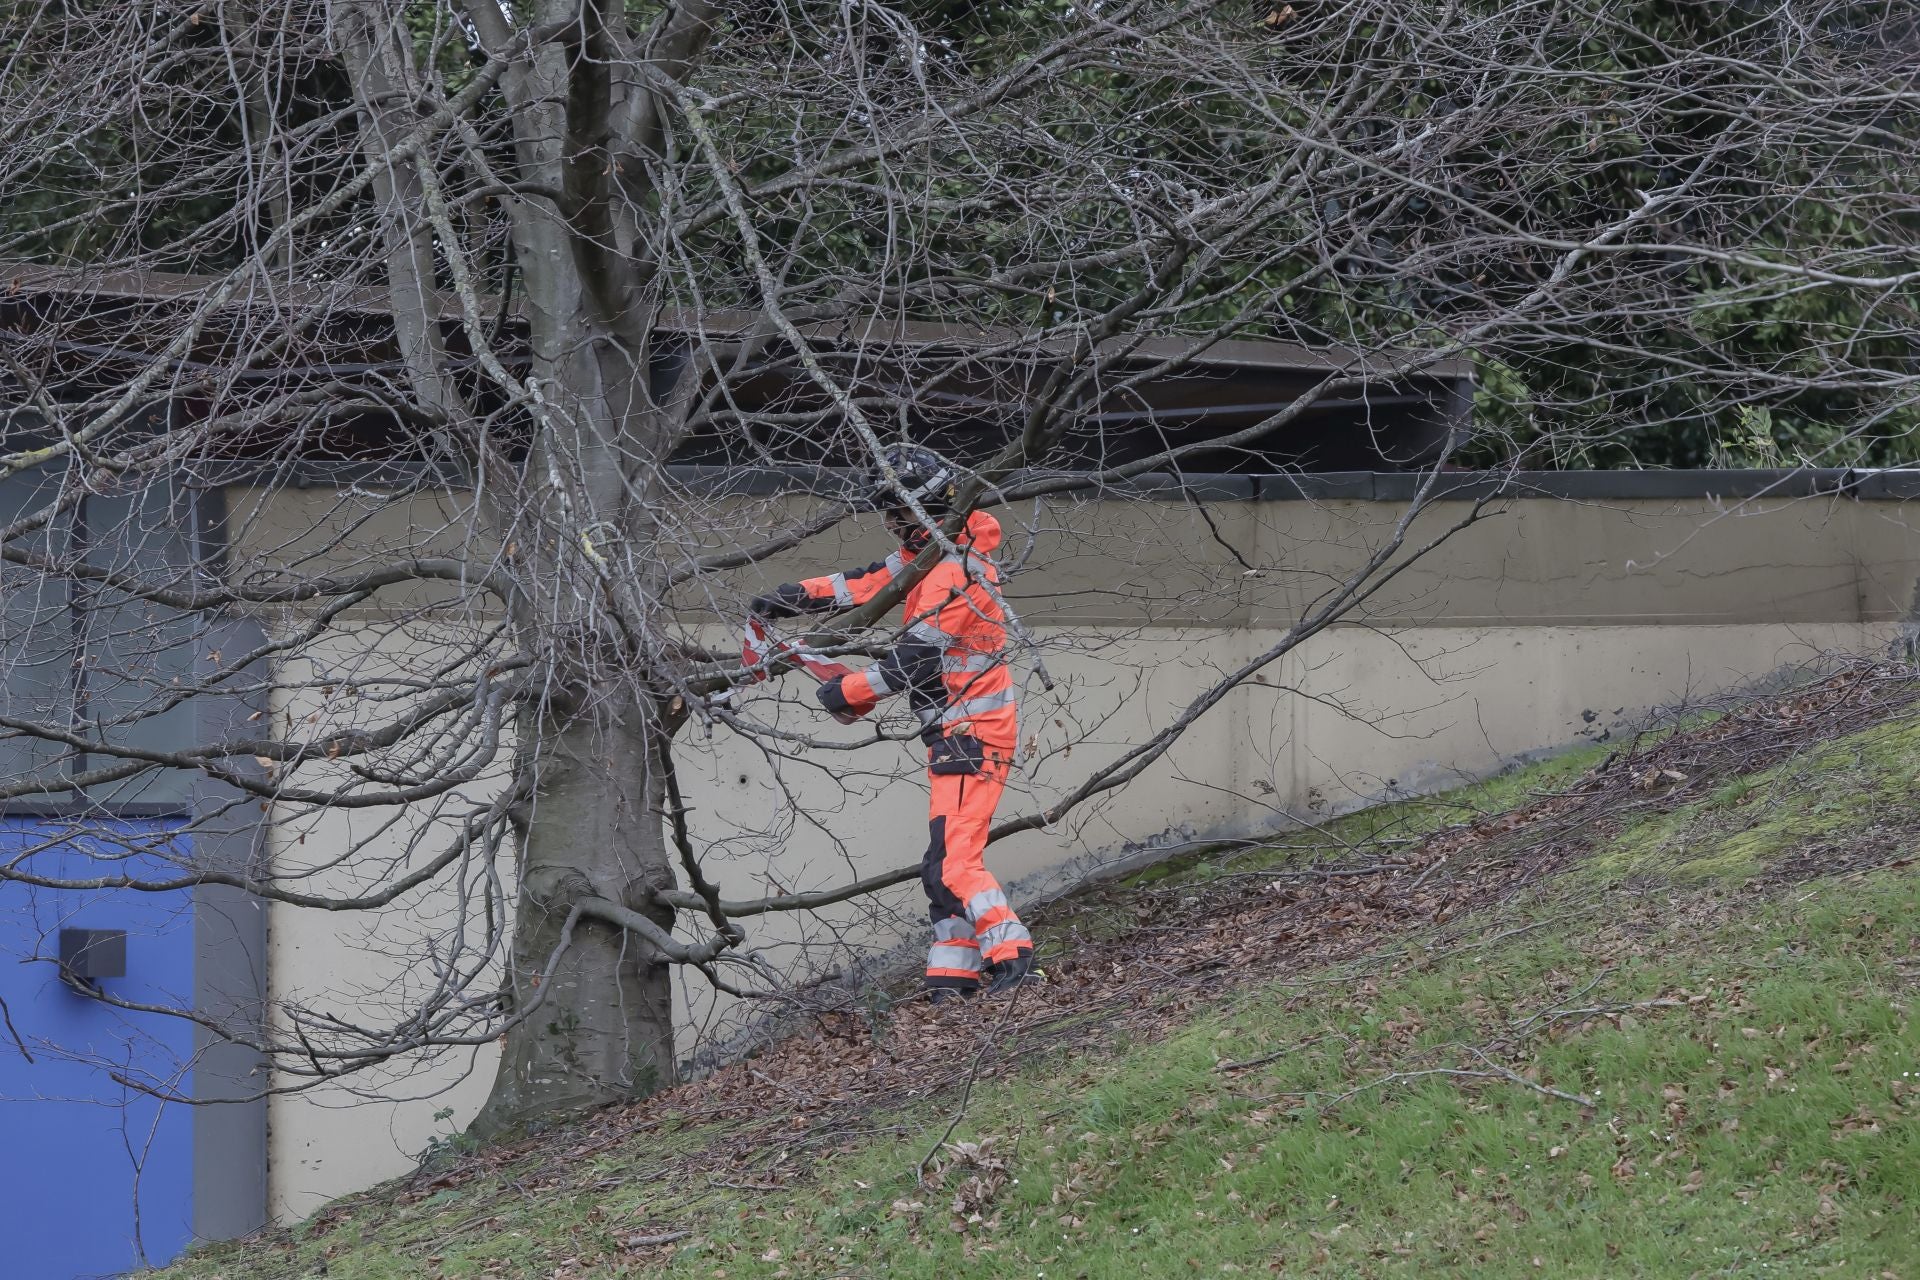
(1493,1072)
(973,1074)
(1275,1056)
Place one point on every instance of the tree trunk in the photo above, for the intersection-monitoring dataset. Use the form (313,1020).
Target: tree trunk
(601,1027)
(600,1030)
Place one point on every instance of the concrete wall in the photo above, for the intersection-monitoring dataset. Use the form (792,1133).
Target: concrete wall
(365,966)
(1547,621)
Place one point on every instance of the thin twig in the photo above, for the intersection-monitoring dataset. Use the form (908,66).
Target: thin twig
(1595,1011)
(1264,1059)
(6,1016)
(966,1092)
(1421,879)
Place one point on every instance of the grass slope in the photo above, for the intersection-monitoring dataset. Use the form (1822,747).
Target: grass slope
(1685,1048)
(1754,1113)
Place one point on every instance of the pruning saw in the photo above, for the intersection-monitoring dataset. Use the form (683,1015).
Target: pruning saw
(761,649)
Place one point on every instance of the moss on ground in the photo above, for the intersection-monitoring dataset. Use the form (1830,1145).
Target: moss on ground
(1832,794)
(1381,826)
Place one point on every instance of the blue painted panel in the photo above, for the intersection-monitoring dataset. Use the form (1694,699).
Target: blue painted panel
(95,1175)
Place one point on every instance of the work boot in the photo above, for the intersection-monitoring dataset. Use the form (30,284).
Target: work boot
(952,995)
(1005,975)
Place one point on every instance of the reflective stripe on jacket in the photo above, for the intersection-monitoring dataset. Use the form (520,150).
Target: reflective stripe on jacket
(951,657)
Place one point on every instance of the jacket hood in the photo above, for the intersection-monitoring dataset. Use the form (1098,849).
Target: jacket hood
(982,533)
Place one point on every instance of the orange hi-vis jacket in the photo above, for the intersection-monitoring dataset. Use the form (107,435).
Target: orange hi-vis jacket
(951,657)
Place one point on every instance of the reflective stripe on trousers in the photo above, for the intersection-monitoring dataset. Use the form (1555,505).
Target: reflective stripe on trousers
(994,922)
(1008,933)
(965,900)
(954,958)
(951,960)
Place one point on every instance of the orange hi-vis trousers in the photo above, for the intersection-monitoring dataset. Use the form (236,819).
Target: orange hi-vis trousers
(971,918)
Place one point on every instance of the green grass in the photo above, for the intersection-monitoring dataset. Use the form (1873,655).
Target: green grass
(1761,1121)
(1767,1128)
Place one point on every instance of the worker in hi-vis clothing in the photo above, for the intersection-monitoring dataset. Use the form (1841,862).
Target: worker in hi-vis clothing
(951,663)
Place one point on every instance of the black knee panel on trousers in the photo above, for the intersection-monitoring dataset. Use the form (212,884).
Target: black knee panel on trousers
(941,904)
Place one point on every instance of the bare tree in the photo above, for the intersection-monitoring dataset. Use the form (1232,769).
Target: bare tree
(534,259)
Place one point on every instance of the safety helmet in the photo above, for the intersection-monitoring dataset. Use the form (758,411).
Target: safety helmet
(924,474)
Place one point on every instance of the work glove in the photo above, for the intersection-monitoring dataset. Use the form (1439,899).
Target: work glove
(784,601)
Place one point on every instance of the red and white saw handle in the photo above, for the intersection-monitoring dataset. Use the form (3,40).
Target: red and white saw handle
(761,649)
(757,649)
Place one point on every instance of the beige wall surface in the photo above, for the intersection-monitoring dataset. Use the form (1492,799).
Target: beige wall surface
(1548,623)
(369,967)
